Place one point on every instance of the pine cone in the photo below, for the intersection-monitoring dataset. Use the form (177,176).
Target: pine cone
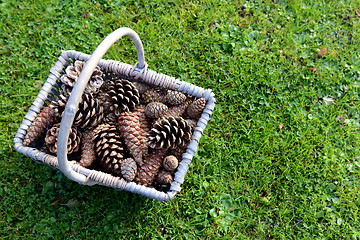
(73,143)
(175,98)
(130,131)
(88,155)
(145,122)
(109,148)
(46,118)
(169,133)
(147,172)
(170,163)
(128,169)
(154,95)
(59,105)
(196,108)
(164,178)
(72,74)
(122,96)
(155,109)
(90,112)
(141,87)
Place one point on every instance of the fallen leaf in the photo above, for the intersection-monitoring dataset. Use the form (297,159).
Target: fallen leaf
(322,52)
(357,13)
(72,202)
(328,100)
(249,125)
(55,202)
(313,69)
(281,126)
(281,52)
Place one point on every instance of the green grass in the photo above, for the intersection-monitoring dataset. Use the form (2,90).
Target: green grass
(277,160)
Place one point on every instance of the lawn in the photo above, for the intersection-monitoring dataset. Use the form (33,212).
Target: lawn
(280,158)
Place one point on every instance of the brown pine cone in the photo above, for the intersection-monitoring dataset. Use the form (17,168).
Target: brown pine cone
(145,122)
(73,143)
(72,74)
(130,131)
(147,171)
(170,163)
(175,98)
(88,155)
(169,133)
(196,108)
(154,95)
(90,112)
(164,178)
(128,169)
(122,96)
(155,109)
(46,118)
(141,87)
(109,148)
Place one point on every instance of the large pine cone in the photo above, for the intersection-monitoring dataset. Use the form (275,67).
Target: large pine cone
(72,74)
(155,109)
(128,169)
(145,122)
(109,148)
(73,143)
(175,98)
(46,118)
(90,112)
(169,133)
(130,131)
(152,163)
(121,96)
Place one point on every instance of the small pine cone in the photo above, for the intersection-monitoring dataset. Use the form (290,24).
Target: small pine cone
(196,108)
(130,131)
(88,155)
(169,133)
(72,74)
(175,98)
(145,122)
(178,152)
(90,112)
(154,95)
(109,148)
(46,118)
(170,163)
(128,169)
(155,109)
(73,143)
(164,178)
(150,168)
(141,87)
(122,96)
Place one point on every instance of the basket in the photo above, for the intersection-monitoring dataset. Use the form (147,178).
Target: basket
(138,72)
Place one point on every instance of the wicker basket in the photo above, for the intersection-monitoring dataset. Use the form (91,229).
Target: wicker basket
(138,72)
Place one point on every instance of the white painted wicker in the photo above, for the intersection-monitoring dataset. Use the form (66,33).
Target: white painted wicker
(138,72)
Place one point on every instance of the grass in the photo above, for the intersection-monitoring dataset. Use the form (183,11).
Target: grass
(279,158)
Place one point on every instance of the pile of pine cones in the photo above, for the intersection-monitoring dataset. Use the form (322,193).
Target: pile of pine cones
(125,128)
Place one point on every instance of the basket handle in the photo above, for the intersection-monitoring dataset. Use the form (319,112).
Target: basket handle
(79,87)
